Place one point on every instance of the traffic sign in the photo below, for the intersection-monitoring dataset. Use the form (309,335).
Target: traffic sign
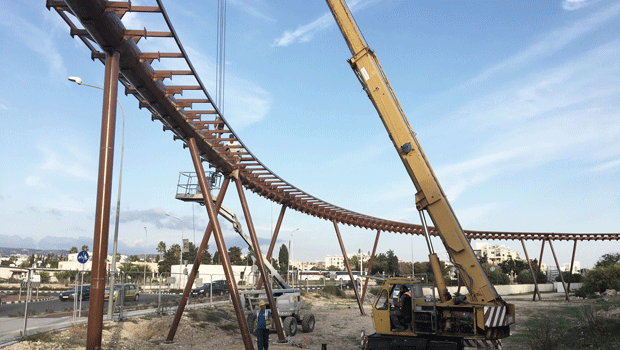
(82,257)
(30,284)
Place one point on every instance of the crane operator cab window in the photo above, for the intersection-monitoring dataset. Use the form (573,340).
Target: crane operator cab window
(382,302)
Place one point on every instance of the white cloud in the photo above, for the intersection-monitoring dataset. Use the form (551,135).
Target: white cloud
(131,242)
(306,32)
(36,39)
(472,215)
(253,8)
(34,181)
(571,5)
(73,210)
(551,43)
(561,113)
(4,104)
(613,165)
(592,77)
(71,162)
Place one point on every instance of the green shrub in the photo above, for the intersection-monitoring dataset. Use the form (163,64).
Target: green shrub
(333,290)
(599,279)
(574,278)
(498,277)
(525,277)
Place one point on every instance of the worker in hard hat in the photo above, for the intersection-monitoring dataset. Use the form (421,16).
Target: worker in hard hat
(263,322)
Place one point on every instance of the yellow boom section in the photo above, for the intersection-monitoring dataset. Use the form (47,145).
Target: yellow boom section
(429,196)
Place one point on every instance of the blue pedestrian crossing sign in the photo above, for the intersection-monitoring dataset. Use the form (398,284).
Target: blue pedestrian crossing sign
(82,257)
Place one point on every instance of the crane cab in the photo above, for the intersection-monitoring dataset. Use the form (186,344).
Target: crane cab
(447,325)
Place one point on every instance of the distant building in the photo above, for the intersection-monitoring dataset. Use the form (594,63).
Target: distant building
(13,274)
(495,254)
(338,260)
(552,273)
(73,264)
(576,267)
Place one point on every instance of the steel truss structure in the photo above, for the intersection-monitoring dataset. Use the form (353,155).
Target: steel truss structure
(198,123)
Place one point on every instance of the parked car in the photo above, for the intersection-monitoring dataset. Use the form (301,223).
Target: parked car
(349,285)
(205,289)
(83,293)
(132,292)
(219,287)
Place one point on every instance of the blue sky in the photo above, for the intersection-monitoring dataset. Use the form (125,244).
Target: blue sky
(515,104)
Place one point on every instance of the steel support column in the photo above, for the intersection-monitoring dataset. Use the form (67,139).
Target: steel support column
(273,241)
(276,232)
(372,258)
(259,258)
(559,271)
(221,246)
(192,276)
(104,190)
(529,263)
(572,260)
(542,249)
(346,263)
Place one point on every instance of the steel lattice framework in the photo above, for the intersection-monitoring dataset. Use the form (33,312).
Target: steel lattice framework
(99,27)
(199,124)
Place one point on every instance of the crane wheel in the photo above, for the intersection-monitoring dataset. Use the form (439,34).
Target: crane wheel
(307,323)
(290,326)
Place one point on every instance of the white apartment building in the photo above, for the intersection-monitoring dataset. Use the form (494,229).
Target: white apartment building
(576,267)
(495,253)
(338,260)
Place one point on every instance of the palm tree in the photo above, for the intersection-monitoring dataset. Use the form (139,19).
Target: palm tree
(161,247)
(85,247)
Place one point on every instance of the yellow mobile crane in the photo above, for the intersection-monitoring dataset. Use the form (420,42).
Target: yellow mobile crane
(478,318)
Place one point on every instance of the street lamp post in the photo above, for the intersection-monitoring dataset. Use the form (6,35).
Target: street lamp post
(180,255)
(145,239)
(290,253)
(78,81)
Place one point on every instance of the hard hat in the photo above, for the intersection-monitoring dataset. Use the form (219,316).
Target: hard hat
(261,303)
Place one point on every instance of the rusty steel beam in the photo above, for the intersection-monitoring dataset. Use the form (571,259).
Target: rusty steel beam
(104,190)
(221,246)
(372,258)
(192,276)
(346,263)
(274,238)
(534,278)
(542,249)
(559,271)
(572,260)
(259,260)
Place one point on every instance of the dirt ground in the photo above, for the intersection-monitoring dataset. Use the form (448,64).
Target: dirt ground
(338,324)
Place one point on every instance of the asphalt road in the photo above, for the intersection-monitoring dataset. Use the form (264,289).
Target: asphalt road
(55,306)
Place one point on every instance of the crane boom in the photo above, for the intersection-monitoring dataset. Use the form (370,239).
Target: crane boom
(429,196)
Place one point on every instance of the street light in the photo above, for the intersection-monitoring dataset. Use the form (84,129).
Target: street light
(78,81)
(290,252)
(180,255)
(145,239)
